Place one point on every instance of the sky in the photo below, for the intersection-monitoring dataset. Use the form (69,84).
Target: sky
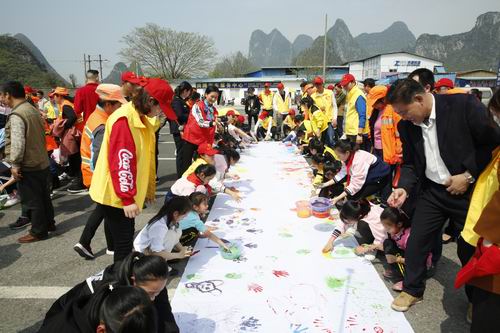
(65,30)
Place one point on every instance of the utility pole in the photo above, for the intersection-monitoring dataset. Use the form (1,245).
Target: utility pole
(97,59)
(324,49)
(84,64)
(100,66)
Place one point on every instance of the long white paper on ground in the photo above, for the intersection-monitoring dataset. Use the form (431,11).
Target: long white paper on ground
(282,282)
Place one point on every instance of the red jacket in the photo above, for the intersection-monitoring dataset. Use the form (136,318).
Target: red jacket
(200,128)
(86,100)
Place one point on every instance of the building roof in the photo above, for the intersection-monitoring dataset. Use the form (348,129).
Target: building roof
(381,54)
(250,79)
(299,67)
(477,73)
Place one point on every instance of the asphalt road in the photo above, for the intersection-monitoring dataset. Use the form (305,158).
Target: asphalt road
(33,275)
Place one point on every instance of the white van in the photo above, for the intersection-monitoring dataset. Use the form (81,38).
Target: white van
(487,93)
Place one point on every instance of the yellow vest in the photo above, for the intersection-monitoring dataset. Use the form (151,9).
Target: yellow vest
(351,117)
(289,122)
(267,100)
(193,166)
(319,121)
(307,125)
(486,185)
(283,105)
(101,188)
(51,112)
(265,122)
(324,102)
(331,152)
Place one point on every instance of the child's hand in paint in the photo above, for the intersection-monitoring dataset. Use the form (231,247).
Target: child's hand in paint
(362,249)
(328,247)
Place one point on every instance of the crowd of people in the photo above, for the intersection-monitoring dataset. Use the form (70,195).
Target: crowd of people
(403,163)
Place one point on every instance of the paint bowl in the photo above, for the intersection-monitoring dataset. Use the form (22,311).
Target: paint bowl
(320,205)
(233,253)
(303,208)
(288,144)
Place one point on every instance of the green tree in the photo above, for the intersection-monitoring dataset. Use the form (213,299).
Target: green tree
(234,65)
(167,53)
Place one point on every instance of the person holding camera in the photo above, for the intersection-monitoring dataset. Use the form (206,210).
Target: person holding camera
(252,106)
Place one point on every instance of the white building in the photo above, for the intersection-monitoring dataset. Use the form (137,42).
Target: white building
(383,65)
(237,87)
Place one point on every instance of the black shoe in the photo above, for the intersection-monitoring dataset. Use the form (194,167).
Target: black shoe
(51,227)
(77,186)
(22,222)
(431,271)
(83,251)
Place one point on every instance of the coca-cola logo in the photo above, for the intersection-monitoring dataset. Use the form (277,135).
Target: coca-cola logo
(125,176)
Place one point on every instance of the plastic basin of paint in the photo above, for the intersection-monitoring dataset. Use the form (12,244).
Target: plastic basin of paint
(303,208)
(323,215)
(233,254)
(321,205)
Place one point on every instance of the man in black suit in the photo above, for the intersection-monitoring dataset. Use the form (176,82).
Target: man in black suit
(447,142)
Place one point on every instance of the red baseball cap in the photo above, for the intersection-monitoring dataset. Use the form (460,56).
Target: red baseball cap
(132,78)
(267,84)
(207,149)
(318,80)
(346,79)
(280,86)
(291,112)
(330,87)
(241,119)
(28,90)
(230,113)
(161,91)
(444,82)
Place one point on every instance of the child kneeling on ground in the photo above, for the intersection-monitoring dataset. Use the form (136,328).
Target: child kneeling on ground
(192,226)
(365,219)
(397,225)
(162,233)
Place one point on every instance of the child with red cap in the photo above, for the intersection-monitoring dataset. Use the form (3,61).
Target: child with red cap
(266,126)
(289,122)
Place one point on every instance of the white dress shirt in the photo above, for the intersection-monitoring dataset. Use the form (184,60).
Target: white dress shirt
(435,169)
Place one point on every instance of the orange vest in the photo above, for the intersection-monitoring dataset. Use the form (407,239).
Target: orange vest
(96,119)
(79,124)
(391,143)
(50,141)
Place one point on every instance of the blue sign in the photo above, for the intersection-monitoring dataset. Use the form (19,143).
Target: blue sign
(240,85)
(404,63)
(498,75)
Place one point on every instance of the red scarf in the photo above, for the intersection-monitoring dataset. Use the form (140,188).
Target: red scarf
(193,178)
(486,261)
(348,167)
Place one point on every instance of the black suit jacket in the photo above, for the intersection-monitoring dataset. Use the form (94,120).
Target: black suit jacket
(466,138)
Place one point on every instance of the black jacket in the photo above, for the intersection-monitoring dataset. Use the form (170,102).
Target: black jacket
(252,105)
(182,110)
(466,138)
(68,311)
(73,318)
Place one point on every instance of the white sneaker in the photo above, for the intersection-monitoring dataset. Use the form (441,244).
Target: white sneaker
(13,200)
(3,199)
(110,253)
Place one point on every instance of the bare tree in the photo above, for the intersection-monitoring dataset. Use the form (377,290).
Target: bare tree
(234,65)
(167,53)
(72,80)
